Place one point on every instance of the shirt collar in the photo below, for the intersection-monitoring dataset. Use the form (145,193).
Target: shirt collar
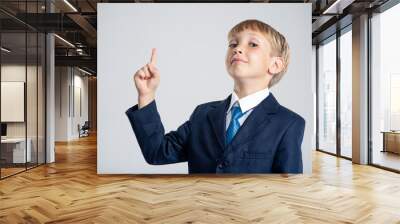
(250,101)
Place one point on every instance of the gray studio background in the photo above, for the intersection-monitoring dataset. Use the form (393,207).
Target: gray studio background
(191,43)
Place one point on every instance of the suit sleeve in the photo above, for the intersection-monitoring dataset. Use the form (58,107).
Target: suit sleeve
(288,158)
(157,147)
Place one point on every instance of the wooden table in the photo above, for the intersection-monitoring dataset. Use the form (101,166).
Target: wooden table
(391,141)
(13,150)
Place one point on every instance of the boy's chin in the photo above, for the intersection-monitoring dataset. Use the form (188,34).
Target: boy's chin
(241,76)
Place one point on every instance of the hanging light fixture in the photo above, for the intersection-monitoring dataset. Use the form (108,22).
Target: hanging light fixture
(5,50)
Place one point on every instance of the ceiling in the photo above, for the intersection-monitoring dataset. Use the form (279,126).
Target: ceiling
(76,22)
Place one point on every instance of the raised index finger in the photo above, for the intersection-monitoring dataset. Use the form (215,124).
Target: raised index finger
(153,59)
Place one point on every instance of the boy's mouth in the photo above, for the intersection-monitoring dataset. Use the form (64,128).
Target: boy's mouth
(237,60)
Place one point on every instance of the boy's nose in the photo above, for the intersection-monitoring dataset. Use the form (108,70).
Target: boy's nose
(235,51)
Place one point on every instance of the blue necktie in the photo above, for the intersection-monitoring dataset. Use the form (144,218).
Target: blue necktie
(234,125)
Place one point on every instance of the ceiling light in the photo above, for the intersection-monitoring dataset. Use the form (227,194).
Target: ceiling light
(70,5)
(64,40)
(5,50)
(338,6)
(84,71)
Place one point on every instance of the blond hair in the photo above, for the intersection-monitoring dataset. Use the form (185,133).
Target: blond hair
(280,47)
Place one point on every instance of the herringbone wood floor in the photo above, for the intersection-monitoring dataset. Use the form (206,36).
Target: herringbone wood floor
(70,191)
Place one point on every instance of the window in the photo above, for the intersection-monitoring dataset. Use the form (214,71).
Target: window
(22,78)
(327,96)
(385,89)
(346,94)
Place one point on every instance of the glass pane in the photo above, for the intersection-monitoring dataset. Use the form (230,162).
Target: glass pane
(41,98)
(346,94)
(32,91)
(22,102)
(327,96)
(31,100)
(13,87)
(386,89)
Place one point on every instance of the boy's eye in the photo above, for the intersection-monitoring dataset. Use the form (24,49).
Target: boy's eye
(253,45)
(232,45)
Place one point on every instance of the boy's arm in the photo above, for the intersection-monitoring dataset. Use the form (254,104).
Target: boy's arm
(157,147)
(288,157)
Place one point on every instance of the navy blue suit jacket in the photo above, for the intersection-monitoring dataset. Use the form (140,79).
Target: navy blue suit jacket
(269,141)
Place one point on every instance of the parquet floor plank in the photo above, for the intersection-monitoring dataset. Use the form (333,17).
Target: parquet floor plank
(70,191)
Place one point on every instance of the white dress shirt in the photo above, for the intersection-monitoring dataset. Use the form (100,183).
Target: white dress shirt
(246,104)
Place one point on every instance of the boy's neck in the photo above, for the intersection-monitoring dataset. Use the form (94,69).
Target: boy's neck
(243,89)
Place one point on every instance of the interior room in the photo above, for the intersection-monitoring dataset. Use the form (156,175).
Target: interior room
(51,170)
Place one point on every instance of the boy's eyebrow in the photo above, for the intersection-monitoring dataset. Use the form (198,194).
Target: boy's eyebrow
(251,38)
(255,38)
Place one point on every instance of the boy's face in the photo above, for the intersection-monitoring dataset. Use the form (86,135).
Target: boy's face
(249,56)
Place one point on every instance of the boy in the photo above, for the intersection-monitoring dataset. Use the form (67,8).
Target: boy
(248,132)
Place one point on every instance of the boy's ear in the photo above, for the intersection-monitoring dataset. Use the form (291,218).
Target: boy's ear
(276,65)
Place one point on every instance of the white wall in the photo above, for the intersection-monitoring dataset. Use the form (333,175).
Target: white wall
(191,42)
(67,81)
(80,83)
(61,103)
(12,100)
(17,73)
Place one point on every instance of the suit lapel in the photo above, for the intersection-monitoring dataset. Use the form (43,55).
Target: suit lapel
(217,117)
(257,120)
